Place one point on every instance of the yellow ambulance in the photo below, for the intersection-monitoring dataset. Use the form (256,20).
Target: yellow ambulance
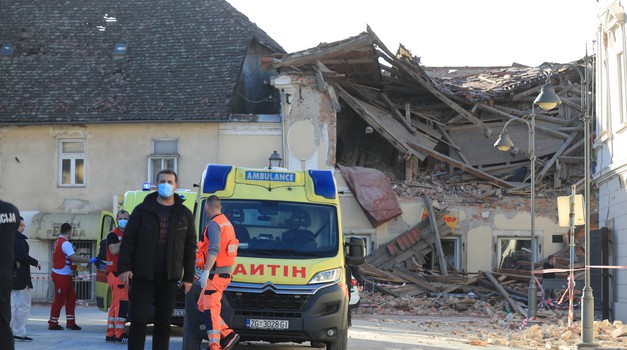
(292,278)
(108,223)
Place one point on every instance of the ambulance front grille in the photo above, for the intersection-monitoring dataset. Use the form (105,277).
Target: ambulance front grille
(267,300)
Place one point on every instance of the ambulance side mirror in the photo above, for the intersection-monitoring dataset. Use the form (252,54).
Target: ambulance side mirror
(356,251)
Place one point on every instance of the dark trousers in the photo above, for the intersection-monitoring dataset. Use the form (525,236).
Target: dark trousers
(141,295)
(6,336)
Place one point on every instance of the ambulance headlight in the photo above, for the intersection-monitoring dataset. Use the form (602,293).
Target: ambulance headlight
(327,276)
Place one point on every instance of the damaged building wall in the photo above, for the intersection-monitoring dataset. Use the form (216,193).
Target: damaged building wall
(309,124)
(310,129)
(485,229)
(610,170)
(433,138)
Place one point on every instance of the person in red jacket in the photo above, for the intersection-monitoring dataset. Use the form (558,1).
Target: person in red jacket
(216,254)
(64,263)
(116,320)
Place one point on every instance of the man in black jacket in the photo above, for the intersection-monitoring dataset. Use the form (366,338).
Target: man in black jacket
(9,223)
(158,251)
(22,285)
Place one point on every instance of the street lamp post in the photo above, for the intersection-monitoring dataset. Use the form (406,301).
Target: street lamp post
(547,99)
(504,143)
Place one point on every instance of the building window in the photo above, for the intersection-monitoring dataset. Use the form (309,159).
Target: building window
(514,253)
(72,163)
(620,68)
(164,157)
(452,251)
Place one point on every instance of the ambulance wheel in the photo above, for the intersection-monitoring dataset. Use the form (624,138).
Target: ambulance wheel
(341,343)
(190,341)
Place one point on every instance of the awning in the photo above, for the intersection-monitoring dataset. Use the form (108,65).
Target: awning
(85,227)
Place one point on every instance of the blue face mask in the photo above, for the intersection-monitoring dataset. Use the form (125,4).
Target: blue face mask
(122,223)
(165,190)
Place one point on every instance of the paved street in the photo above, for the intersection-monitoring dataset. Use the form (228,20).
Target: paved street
(368,333)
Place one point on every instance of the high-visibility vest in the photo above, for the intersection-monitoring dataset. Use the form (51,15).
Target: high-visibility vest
(59,259)
(228,244)
(112,260)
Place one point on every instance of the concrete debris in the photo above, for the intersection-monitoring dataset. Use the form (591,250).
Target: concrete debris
(486,322)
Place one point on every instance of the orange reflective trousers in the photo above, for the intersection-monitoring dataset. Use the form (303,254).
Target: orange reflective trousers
(119,306)
(210,304)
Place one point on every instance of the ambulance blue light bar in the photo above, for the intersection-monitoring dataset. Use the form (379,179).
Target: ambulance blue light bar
(215,178)
(324,184)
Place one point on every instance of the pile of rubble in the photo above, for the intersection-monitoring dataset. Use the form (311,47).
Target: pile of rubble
(492,323)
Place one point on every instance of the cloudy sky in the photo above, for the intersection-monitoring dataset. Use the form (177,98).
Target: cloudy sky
(441,32)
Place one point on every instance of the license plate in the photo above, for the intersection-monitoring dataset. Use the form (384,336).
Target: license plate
(267,324)
(178,313)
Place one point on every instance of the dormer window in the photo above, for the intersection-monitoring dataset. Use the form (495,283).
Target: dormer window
(120,50)
(7,50)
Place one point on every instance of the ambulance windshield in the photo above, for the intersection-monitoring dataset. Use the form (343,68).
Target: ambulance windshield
(282,229)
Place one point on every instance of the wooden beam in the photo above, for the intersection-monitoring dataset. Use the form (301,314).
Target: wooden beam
(495,180)
(452,143)
(546,130)
(397,114)
(513,305)
(404,273)
(421,77)
(539,115)
(438,241)
(558,153)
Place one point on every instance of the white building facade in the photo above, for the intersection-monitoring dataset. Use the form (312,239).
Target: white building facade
(610,164)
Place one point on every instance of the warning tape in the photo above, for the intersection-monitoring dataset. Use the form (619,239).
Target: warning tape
(541,271)
(82,277)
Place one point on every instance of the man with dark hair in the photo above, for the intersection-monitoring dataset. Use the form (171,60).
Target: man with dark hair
(158,251)
(64,263)
(22,285)
(116,319)
(9,223)
(549,264)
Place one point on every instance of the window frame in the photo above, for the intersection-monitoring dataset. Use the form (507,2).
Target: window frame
(72,157)
(163,157)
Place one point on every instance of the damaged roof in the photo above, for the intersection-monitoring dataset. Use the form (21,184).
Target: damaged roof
(182,61)
(452,120)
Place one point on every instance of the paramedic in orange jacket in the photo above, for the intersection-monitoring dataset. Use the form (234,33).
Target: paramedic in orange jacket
(116,320)
(216,254)
(64,263)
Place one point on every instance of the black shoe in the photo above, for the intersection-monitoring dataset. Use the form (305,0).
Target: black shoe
(74,327)
(123,339)
(24,339)
(228,342)
(110,339)
(55,328)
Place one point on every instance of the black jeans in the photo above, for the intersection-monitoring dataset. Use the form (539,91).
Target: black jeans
(142,293)
(6,336)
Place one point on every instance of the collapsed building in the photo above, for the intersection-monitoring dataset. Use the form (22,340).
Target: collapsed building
(448,200)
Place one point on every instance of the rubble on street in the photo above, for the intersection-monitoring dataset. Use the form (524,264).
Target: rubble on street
(491,324)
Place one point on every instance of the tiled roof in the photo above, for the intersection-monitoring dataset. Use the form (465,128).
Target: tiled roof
(183,61)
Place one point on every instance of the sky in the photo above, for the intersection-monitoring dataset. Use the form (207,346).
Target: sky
(441,32)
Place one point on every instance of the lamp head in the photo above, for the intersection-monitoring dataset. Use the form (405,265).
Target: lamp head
(547,99)
(504,143)
(275,160)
